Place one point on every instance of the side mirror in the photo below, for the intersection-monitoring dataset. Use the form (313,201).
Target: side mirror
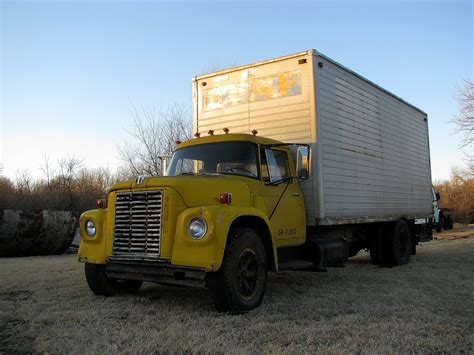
(302,163)
(437,196)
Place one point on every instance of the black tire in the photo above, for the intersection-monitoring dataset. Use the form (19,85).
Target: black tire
(101,285)
(449,222)
(239,284)
(98,281)
(396,244)
(443,223)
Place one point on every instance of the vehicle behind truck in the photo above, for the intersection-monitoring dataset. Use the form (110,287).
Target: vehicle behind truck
(297,164)
(442,219)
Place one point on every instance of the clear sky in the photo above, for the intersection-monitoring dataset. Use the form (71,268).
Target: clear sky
(70,69)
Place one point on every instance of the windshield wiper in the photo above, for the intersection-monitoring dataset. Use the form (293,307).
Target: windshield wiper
(278,182)
(210,174)
(201,174)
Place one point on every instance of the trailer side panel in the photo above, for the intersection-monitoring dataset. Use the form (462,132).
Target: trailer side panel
(374,150)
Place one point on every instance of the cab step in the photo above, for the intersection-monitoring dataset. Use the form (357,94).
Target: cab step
(295,265)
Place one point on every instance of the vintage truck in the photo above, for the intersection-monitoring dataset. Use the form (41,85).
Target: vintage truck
(297,164)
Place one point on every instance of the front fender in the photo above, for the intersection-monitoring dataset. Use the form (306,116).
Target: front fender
(93,249)
(208,252)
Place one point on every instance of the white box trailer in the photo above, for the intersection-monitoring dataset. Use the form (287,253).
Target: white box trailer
(370,148)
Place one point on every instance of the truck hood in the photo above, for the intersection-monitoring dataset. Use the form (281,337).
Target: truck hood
(196,190)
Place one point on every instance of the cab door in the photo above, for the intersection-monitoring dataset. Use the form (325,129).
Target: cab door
(283,197)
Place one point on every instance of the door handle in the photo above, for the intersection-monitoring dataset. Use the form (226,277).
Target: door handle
(296,193)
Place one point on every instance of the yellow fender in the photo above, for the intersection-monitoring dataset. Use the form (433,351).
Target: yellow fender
(96,248)
(208,252)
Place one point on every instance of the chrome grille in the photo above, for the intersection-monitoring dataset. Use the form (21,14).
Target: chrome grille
(138,223)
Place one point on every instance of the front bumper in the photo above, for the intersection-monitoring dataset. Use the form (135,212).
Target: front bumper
(158,271)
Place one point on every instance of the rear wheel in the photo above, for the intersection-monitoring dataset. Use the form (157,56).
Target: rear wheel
(101,285)
(239,284)
(396,245)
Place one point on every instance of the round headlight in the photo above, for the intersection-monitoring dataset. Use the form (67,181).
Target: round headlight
(197,228)
(90,228)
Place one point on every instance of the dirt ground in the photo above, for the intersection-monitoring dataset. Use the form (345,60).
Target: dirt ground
(424,307)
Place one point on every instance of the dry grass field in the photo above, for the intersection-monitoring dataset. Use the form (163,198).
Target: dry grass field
(426,306)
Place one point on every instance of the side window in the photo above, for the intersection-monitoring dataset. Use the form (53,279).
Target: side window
(274,165)
(189,166)
(264,169)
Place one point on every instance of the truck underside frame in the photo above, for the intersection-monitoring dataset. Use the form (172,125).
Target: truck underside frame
(161,272)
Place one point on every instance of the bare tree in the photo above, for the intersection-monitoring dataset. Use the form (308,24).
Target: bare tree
(68,186)
(69,169)
(24,182)
(464,121)
(48,172)
(154,136)
(7,193)
(217,66)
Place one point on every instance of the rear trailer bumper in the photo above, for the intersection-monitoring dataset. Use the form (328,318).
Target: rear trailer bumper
(161,272)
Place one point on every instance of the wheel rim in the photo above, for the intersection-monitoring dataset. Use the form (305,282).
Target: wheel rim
(247,274)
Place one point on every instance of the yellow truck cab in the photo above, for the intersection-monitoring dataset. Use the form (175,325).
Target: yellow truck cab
(227,204)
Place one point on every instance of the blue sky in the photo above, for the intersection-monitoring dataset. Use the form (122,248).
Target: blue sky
(70,70)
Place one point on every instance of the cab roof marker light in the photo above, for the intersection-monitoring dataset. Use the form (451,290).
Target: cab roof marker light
(211,132)
(197,134)
(226,130)
(254,132)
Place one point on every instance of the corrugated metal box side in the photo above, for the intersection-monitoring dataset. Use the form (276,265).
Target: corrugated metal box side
(373,159)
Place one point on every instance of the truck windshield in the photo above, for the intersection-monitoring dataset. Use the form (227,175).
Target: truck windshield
(235,158)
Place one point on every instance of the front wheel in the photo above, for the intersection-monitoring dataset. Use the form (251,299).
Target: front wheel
(101,285)
(239,285)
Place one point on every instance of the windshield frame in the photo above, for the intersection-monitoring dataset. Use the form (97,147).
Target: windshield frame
(254,146)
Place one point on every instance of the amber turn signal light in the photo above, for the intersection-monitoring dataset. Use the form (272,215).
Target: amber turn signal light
(101,203)
(225,198)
